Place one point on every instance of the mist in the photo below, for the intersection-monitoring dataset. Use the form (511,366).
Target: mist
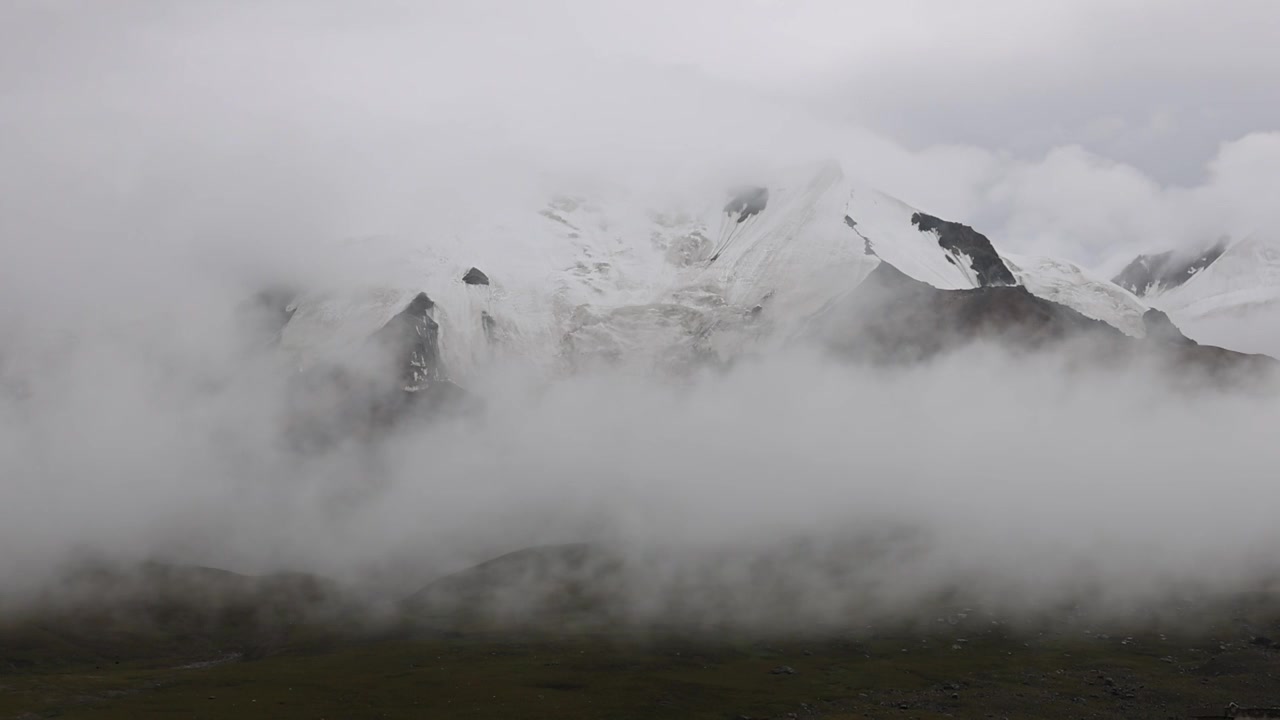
(1014,477)
(162,165)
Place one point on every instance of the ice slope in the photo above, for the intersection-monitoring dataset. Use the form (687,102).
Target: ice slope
(1068,284)
(1247,273)
(1235,301)
(334,324)
(526,257)
(737,275)
(785,262)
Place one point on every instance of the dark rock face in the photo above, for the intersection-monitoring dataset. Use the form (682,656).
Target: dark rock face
(402,377)
(892,318)
(1165,270)
(747,202)
(475,277)
(866,241)
(412,341)
(1160,328)
(958,238)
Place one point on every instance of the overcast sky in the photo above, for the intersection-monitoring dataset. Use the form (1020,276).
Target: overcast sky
(1156,83)
(1088,129)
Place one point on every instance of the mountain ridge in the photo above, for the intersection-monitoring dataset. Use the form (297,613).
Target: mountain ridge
(1229,296)
(603,283)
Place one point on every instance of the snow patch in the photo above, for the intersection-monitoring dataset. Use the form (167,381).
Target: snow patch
(1068,284)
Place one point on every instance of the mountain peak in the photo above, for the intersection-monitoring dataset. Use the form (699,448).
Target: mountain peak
(475,277)
(1159,272)
(963,241)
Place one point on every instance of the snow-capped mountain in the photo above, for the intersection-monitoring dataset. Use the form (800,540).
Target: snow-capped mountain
(608,279)
(1149,275)
(583,280)
(1227,296)
(970,261)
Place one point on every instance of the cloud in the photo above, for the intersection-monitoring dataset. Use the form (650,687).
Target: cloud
(1016,480)
(164,162)
(1075,204)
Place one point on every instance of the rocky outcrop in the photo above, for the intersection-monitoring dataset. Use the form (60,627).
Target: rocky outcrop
(475,277)
(411,340)
(866,241)
(399,375)
(963,240)
(747,202)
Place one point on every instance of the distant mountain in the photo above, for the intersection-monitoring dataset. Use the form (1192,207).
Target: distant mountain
(1228,296)
(565,581)
(100,612)
(1154,274)
(892,318)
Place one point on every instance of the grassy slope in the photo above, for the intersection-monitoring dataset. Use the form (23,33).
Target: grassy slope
(486,676)
(194,643)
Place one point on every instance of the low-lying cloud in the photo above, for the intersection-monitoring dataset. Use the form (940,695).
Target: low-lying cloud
(1021,481)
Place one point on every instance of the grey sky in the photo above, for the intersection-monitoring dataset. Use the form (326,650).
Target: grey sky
(1156,83)
(1087,129)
